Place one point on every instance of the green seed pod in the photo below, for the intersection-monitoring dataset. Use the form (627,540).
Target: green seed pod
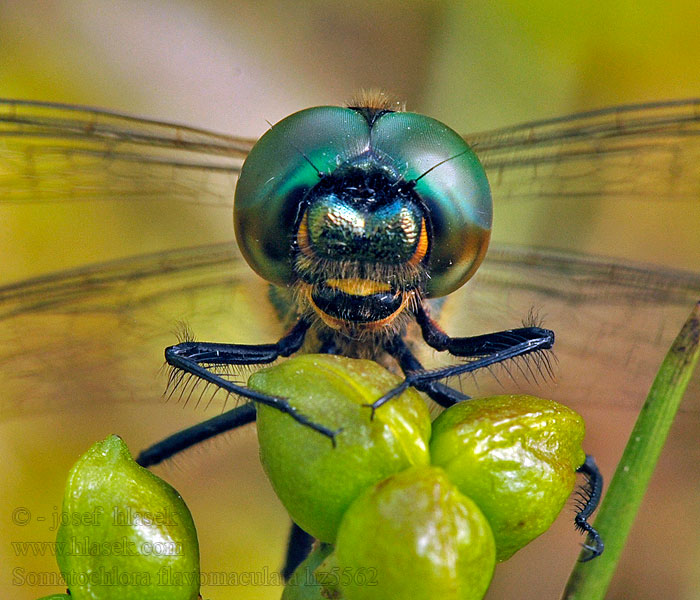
(315,481)
(516,457)
(414,536)
(125,534)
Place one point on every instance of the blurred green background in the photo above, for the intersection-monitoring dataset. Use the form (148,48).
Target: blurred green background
(235,66)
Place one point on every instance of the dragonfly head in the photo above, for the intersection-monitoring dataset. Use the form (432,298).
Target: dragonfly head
(364,210)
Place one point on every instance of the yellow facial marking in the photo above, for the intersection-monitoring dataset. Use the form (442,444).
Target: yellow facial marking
(358,287)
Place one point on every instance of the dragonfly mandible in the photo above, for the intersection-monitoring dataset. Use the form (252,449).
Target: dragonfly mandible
(98,331)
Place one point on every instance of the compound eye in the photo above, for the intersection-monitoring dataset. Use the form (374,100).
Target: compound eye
(452,185)
(280,169)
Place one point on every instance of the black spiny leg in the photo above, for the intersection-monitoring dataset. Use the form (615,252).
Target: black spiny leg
(482,345)
(486,350)
(180,441)
(189,357)
(589,496)
(443,394)
(298,548)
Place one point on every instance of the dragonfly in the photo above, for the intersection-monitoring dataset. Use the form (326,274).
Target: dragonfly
(98,331)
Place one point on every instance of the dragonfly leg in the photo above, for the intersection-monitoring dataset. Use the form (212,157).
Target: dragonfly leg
(478,345)
(186,353)
(443,394)
(190,357)
(195,357)
(589,497)
(298,548)
(299,542)
(182,440)
(486,350)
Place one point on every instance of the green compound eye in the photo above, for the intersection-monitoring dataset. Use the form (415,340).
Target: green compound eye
(451,184)
(403,151)
(277,175)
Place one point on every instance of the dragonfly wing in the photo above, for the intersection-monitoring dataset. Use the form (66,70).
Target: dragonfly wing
(613,322)
(56,154)
(97,335)
(81,185)
(591,154)
(53,152)
(622,182)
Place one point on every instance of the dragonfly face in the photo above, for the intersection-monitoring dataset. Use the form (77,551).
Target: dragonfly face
(364,210)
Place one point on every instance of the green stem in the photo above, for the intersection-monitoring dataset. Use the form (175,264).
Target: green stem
(590,580)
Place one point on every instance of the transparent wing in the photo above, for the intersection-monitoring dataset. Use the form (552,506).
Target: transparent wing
(613,321)
(52,153)
(640,151)
(78,180)
(97,334)
(621,182)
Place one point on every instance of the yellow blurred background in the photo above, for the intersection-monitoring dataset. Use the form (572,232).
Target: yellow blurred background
(235,66)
